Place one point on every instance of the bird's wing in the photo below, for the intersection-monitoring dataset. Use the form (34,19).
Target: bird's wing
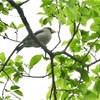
(37,32)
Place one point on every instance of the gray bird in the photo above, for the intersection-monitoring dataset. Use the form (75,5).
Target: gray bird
(43,35)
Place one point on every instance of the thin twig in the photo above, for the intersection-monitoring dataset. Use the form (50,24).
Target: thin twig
(6,37)
(23,2)
(4,89)
(75,31)
(58,38)
(72,57)
(51,93)
(8,77)
(35,76)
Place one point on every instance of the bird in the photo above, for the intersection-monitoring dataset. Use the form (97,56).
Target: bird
(44,35)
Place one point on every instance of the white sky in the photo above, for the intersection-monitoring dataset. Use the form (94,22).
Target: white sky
(33,89)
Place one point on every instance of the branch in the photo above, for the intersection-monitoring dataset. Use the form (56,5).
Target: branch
(72,57)
(75,31)
(53,78)
(93,63)
(35,76)
(23,2)
(58,38)
(90,48)
(6,37)
(4,89)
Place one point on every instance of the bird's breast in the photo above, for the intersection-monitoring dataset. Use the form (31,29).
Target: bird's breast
(44,37)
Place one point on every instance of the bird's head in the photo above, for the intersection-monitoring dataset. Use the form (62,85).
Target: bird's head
(50,29)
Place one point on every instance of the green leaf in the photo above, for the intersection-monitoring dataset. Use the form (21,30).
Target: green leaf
(21,25)
(5,11)
(12,25)
(18,92)
(96,70)
(90,96)
(64,96)
(47,20)
(95,27)
(18,58)
(75,45)
(1,6)
(8,70)
(34,60)
(84,75)
(18,2)
(3,26)
(64,43)
(3,0)
(14,87)
(71,28)
(83,88)
(46,2)
(68,13)
(93,36)
(97,47)
(2,57)
(97,20)
(83,21)
(97,85)
(16,77)
(1,82)
(8,97)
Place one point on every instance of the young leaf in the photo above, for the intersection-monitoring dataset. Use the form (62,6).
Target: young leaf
(84,75)
(12,25)
(97,85)
(16,77)
(34,60)
(14,87)
(1,6)
(7,97)
(2,57)
(18,58)
(18,92)
(20,26)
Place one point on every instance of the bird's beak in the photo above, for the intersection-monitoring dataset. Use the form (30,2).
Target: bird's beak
(53,31)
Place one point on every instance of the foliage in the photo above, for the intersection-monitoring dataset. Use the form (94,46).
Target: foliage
(73,77)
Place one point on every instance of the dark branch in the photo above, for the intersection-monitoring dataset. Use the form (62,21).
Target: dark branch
(53,78)
(6,37)
(23,2)
(72,57)
(75,31)
(58,38)
(35,76)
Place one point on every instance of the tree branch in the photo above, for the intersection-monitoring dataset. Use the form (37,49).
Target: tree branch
(75,31)
(58,38)
(53,77)
(72,57)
